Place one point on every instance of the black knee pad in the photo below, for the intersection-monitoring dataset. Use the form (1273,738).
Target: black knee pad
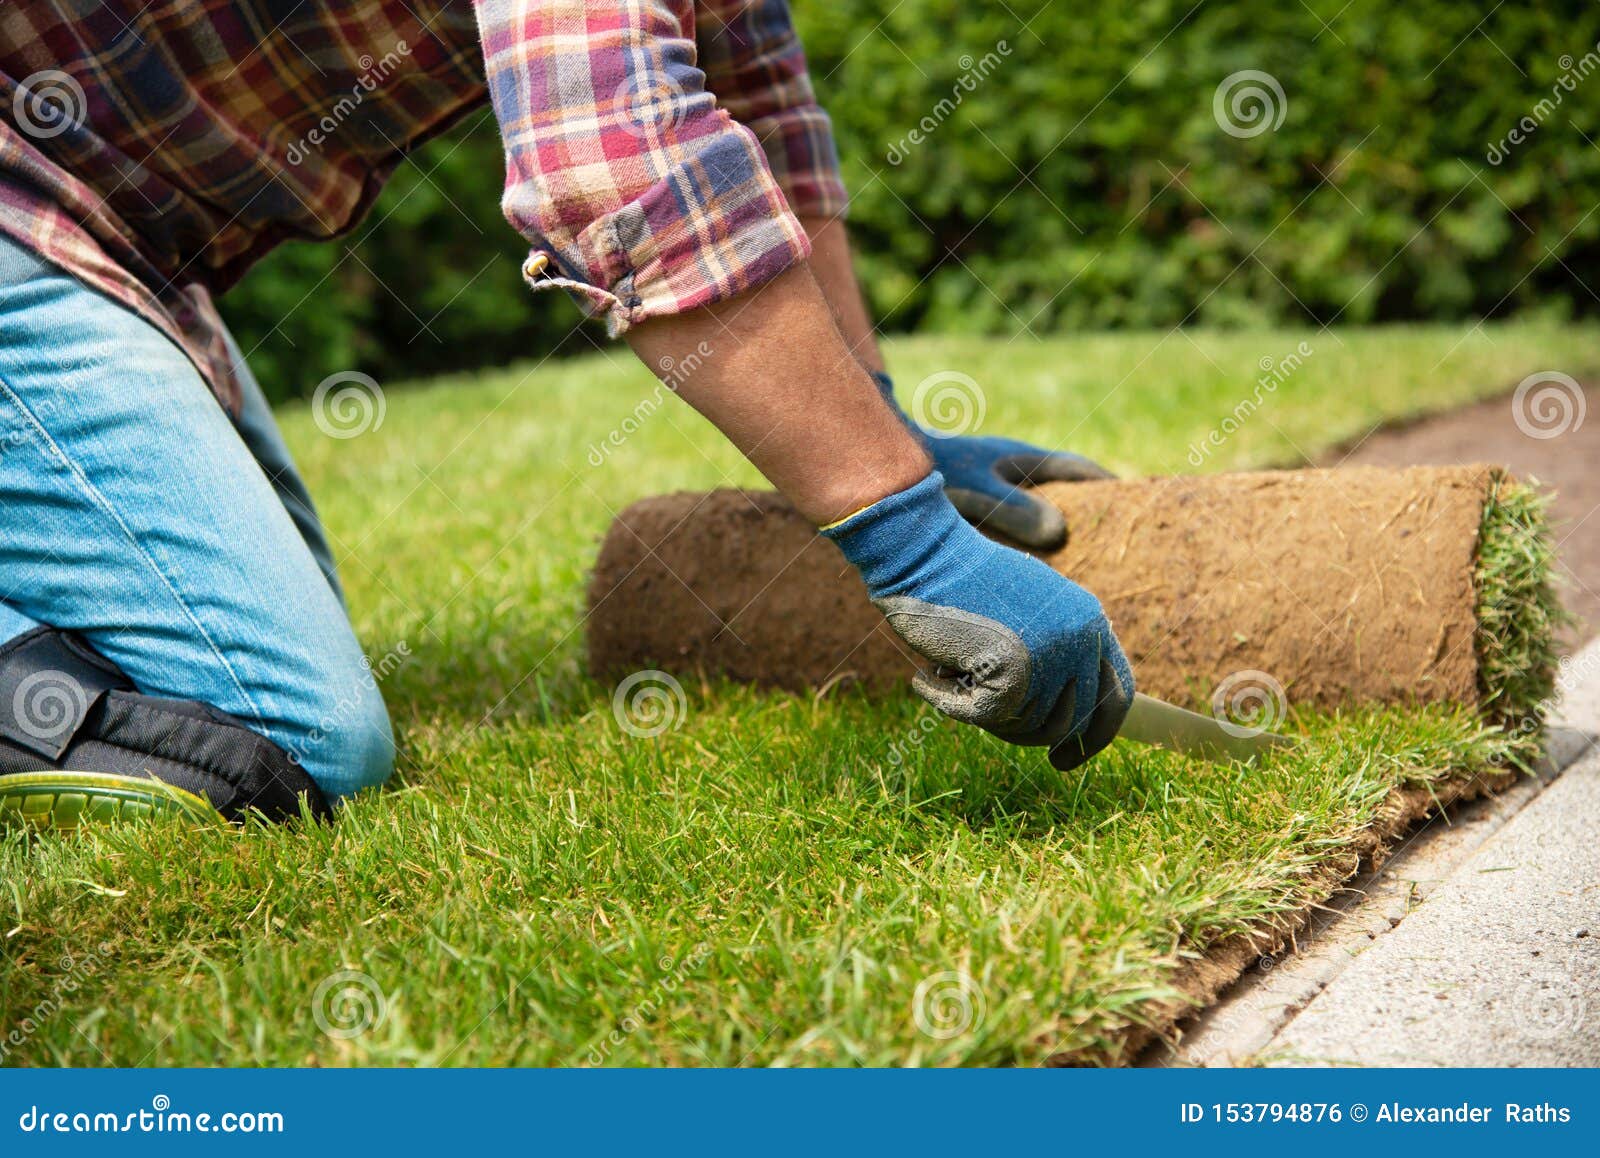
(65,707)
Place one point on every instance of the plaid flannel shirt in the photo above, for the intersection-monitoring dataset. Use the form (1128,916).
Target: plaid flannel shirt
(656,153)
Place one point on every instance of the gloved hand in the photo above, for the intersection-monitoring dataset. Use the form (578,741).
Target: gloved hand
(987,479)
(1020,651)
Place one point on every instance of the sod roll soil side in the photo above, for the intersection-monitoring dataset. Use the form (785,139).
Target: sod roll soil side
(1343,586)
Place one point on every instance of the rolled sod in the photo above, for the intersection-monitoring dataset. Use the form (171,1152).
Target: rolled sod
(1352,586)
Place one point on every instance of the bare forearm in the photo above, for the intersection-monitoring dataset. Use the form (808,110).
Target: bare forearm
(780,381)
(835,273)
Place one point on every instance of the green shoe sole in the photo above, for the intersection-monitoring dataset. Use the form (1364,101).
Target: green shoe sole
(68,800)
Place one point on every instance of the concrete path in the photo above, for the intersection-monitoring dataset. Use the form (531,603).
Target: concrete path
(1479,944)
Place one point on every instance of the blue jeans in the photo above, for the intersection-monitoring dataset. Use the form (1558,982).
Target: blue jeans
(181,544)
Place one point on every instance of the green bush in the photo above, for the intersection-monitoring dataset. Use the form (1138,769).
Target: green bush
(1075,175)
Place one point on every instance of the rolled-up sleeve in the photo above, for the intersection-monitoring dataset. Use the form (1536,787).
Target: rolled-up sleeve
(634,188)
(755,65)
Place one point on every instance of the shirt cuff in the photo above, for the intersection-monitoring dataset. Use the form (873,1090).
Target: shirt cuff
(713,226)
(800,150)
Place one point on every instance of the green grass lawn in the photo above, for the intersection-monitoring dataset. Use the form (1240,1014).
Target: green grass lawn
(774,880)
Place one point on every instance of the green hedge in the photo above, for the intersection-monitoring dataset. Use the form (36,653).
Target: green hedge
(1072,172)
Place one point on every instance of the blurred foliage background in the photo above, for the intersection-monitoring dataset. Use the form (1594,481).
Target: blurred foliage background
(1075,177)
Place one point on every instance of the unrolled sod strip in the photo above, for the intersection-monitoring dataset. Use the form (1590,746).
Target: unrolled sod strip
(1351,586)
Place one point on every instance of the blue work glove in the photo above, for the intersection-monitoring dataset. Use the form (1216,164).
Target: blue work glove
(986,478)
(1019,650)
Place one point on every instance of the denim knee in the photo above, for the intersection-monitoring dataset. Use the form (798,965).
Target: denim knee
(343,738)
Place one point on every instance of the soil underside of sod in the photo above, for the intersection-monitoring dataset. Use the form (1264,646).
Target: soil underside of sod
(1342,587)
(1564,462)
